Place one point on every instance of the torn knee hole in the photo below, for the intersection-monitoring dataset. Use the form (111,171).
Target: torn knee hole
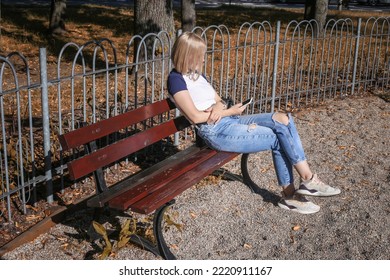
(251,126)
(281,118)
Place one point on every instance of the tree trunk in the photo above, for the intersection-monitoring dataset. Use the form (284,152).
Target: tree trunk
(188,15)
(57,13)
(153,16)
(318,10)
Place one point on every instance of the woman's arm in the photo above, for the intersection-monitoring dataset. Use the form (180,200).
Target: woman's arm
(184,101)
(219,110)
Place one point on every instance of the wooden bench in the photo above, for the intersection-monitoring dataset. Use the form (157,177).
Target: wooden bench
(152,189)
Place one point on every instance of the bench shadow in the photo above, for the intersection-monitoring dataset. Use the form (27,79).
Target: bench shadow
(112,221)
(255,188)
(267,195)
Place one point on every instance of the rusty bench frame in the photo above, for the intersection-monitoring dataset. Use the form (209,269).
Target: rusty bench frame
(155,188)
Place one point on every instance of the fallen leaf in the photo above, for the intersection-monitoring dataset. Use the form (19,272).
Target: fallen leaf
(61,238)
(338,168)
(32,217)
(297,227)
(99,228)
(32,208)
(193,215)
(169,221)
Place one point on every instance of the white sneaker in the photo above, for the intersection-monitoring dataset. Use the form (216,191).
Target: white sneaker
(316,187)
(298,203)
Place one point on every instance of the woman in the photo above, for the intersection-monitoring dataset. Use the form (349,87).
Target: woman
(225,129)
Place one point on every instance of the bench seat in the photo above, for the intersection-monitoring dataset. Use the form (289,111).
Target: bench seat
(164,185)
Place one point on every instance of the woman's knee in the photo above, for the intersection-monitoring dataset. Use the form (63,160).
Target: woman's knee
(281,118)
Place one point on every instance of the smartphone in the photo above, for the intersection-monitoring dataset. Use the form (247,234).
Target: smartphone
(246,102)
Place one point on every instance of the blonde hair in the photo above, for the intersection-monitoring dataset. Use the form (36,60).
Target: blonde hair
(188,54)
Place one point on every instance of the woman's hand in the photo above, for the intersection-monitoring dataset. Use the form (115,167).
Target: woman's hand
(217,112)
(237,109)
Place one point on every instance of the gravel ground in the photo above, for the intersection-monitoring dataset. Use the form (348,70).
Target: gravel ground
(347,143)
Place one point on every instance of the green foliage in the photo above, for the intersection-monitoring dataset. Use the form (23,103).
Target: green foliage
(103,232)
(125,233)
(124,237)
(169,222)
(128,228)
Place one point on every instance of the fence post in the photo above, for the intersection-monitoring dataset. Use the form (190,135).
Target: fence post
(356,57)
(46,124)
(275,70)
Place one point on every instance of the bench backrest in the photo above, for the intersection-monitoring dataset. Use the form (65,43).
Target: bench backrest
(109,154)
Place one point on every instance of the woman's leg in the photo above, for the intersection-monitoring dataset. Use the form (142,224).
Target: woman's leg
(301,167)
(231,135)
(253,134)
(310,183)
(284,127)
(289,150)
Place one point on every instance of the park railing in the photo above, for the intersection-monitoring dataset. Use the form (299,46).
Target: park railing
(281,67)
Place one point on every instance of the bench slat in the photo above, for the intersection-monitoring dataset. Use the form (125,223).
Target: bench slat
(176,186)
(84,135)
(99,200)
(161,179)
(109,154)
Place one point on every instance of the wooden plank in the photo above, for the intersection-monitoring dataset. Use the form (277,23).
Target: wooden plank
(99,200)
(160,179)
(83,166)
(180,184)
(86,134)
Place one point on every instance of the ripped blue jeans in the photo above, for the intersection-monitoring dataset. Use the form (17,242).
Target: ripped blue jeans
(256,133)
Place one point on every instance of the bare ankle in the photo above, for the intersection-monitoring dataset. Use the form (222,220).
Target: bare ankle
(308,177)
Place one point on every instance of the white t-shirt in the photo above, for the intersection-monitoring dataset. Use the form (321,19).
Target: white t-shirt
(201,91)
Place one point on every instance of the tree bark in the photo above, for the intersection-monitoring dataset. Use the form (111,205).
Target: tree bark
(57,13)
(153,16)
(317,10)
(188,15)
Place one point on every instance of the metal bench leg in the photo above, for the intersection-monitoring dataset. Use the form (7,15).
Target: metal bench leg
(145,244)
(245,174)
(160,248)
(157,229)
